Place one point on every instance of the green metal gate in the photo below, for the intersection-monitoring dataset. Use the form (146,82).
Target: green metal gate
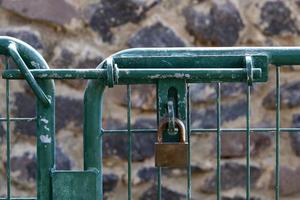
(171,70)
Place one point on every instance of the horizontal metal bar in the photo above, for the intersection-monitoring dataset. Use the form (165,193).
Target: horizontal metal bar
(18,119)
(210,130)
(172,57)
(19,198)
(139,75)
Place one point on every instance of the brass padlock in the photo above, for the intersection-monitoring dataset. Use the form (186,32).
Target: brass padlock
(171,154)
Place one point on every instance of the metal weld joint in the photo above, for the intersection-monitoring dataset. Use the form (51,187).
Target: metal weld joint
(112,72)
(249,67)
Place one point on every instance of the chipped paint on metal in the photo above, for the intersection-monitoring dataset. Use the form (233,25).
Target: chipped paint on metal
(46,139)
(44,120)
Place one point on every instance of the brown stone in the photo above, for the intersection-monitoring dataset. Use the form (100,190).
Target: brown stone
(289,181)
(55,11)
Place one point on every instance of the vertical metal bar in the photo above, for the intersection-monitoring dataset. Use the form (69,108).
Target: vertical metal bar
(277,136)
(248,118)
(158,169)
(129,139)
(8,178)
(189,170)
(218,172)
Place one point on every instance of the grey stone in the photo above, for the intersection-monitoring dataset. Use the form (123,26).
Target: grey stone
(72,55)
(142,97)
(67,110)
(146,174)
(204,93)
(234,144)
(142,146)
(295,136)
(2,131)
(65,58)
(55,11)
(112,13)
(29,36)
(290,96)
(167,194)
(207,117)
(110,182)
(220,27)
(25,166)
(289,181)
(277,17)
(156,35)
(233,175)
(63,162)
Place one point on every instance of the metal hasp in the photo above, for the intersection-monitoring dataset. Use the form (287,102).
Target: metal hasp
(171,69)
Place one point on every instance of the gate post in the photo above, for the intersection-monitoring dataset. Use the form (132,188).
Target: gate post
(27,57)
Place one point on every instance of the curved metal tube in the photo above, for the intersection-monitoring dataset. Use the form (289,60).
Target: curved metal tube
(45,113)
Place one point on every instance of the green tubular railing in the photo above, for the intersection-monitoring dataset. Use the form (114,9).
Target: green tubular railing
(139,66)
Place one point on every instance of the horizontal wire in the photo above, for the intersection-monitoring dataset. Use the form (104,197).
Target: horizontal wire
(18,119)
(195,131)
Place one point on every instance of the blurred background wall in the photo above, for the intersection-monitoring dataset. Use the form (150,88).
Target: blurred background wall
(81,33)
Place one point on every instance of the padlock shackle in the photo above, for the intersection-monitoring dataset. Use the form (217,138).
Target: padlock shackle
(163,125)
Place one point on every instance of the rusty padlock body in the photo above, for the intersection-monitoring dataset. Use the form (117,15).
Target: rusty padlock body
(171,154)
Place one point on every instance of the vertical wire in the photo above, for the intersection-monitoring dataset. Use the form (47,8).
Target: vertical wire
(129,140)
(189,171)
(8,178)
(218,172)
(158,169)
(277,136)
(248,179)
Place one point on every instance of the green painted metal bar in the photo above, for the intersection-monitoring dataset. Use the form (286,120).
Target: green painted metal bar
(195,57)
(158,169)
(277,136)
(144,75)
(92,139)
(188,128)
(218,140)
(8,177)
(12,48)
(248,144)
(129,141)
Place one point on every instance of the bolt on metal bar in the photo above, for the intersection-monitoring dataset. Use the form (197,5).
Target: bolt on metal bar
(8,177)
(248,144)
(277,136)
(218,138)
(141,75)
(129,141)
(189,170)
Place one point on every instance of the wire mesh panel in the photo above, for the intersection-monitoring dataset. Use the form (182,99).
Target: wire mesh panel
(161,67)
